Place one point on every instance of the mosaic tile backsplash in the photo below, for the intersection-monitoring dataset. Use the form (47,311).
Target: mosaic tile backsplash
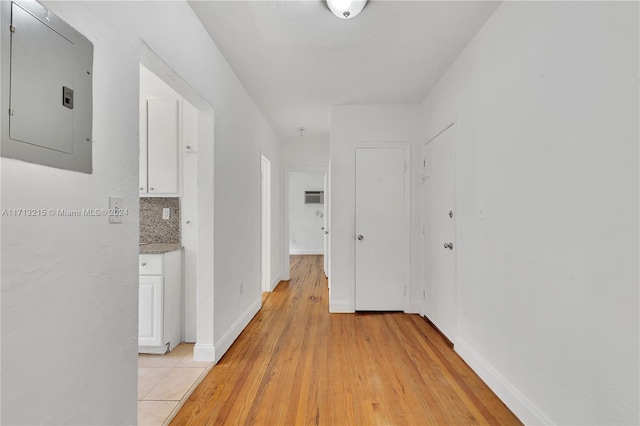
(155,229)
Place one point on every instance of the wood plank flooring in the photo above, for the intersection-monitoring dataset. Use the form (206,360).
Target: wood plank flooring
(297,364)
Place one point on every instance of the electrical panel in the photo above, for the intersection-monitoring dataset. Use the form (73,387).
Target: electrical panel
(47,99)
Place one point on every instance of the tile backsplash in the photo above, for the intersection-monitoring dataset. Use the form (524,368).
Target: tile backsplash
(155,229)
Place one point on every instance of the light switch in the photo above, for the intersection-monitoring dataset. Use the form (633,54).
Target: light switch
(116,213)
(166,213)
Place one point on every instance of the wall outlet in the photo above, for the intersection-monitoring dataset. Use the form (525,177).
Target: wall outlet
(482,213)
(166,213)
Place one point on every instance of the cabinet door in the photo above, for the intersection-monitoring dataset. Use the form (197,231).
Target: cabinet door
(143,147)
(189,127)
(162,146)
(150,311)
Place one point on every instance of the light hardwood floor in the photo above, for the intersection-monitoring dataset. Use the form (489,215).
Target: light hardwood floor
(297,364)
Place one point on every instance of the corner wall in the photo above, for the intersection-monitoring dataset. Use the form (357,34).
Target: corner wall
(352,125)
(545,100)
(70,285)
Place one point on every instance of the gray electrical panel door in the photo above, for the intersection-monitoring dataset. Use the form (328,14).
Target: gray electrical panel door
(47,90)
(36,96)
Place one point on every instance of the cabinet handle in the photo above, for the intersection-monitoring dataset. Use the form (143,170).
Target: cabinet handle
(188,222)
(141,188)
(188,146)
(143,264)
(152,189)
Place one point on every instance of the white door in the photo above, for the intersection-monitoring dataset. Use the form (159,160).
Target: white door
(150,310)
(381,220)
(439,232)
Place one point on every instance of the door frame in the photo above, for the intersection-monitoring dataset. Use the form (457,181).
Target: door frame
(204,349)
(265,212)
(287,170)
(451,124)
(407,213)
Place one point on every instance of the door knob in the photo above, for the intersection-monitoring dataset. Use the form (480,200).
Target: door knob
(360,237)
(451,214)
(326,232)
(448,246)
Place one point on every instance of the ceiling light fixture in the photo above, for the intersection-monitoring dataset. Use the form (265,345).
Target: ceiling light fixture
(346,9)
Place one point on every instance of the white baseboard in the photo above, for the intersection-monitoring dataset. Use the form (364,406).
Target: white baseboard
(276,281)
(341,307)
(204,352)
(225,342)
(518,403)
(306,251)
(414,308)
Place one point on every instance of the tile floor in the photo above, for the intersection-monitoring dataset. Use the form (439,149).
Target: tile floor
(165,382)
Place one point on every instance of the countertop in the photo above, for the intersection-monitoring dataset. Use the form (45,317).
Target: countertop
(159,248)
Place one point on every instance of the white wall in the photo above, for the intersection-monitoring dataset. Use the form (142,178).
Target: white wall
(545,100)
(351,125)
(70,285)
(305,220)
(305,154)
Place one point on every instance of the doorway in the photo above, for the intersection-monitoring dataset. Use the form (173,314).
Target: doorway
(197,147)
(381,228)
(305,224)
(439,231)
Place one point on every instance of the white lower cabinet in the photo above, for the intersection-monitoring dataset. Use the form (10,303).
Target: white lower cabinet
(160,302)
(150,311)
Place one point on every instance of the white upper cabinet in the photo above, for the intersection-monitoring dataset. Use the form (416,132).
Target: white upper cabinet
(143,147)
(159,147)
(189,128)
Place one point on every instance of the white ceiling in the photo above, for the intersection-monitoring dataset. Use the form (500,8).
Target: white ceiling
(296,59)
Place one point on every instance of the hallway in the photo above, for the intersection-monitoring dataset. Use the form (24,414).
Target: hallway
(297,364)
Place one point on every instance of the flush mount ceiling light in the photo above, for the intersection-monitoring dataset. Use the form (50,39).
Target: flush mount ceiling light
(346,9)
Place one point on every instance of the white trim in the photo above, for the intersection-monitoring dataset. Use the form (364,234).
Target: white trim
(223,345)
(341,307)
(205,353)
(516,401)
(306,251)
(276,281)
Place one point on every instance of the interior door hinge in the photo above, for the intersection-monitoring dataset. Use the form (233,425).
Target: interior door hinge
(405,290)
(12,28)
(10,112)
